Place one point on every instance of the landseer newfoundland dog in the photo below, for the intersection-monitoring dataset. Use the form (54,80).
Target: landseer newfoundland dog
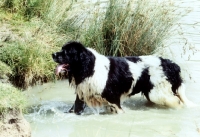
(105,81)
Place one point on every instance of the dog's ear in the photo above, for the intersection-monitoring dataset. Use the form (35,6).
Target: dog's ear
(65,51)
(84,55)
(86,58)
(71,53)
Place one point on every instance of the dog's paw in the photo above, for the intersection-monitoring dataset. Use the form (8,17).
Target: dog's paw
(71,110)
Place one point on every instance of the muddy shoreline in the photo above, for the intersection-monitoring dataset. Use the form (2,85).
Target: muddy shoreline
(14,124)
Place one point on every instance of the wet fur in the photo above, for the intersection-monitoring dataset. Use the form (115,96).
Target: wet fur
(105,81)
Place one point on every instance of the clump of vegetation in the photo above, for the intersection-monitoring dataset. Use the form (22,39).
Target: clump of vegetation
(131,28)
(27,8)
(47,10)
(11,98)
(30,63)
(29,54)
(4,70)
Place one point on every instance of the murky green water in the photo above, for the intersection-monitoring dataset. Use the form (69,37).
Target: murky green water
(140,119)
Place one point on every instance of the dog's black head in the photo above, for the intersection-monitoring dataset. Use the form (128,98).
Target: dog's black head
(76,59)
(68,56)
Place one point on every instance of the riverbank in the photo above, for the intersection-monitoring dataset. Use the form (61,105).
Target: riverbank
(12,103)
(13,124)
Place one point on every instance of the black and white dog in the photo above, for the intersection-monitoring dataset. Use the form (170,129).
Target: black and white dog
(104,81)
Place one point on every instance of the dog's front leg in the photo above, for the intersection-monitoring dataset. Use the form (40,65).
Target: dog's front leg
(79,106)
(71,110)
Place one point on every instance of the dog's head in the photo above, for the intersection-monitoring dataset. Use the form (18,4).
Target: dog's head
(72,57)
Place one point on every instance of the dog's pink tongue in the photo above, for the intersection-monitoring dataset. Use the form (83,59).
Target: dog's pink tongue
(59,68)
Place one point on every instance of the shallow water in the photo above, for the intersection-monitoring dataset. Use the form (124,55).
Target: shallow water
(141,119)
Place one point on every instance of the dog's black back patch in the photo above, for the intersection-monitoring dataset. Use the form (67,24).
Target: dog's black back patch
(172,72)
(119,80)
(134,59)
(143,84)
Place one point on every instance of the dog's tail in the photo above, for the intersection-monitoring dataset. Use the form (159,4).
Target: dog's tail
(183,98)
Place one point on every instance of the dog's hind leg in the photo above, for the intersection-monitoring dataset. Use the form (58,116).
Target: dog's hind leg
(162,94)
(173,102)
(115,109)
(168,100)
(114,106)
(183,98)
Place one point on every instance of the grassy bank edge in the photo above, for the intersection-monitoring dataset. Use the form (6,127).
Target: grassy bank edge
(12,99)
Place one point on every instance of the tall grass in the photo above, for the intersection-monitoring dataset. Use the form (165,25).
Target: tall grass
(122,28)
(30,64)
(49,10)
(29,54)
(27,8)
(4,70)
(131,28)
(7,4)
